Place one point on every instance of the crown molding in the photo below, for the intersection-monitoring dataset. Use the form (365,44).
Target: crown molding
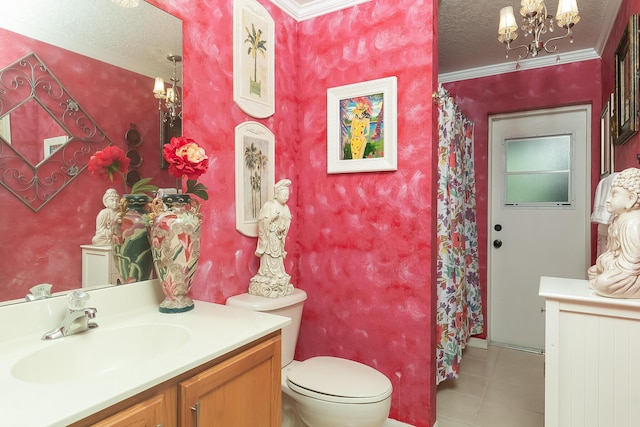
(301,11)
(527,64)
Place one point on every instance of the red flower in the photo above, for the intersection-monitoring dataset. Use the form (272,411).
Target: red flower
(110,161)
(185,158)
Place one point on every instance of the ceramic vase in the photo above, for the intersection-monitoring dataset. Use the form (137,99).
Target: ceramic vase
(175,244)
(130,239)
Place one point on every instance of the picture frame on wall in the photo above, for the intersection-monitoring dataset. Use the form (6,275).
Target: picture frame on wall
(606,143)
(5,128)
(626,83)
(255,174)
(362,127)
(253,58)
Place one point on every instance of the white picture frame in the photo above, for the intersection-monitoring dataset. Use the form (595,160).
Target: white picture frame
(53,143)
(376,148)
(255,174)
(5,128)
(253,58)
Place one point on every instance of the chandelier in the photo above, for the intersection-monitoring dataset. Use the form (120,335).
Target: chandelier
(170,109)
(535,23)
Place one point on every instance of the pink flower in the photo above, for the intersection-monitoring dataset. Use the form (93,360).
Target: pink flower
(185,158)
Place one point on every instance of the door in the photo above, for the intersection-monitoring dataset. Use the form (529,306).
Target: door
(539,215)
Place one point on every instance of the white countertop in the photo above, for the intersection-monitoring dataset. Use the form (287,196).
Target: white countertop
(578,290)
(213,330)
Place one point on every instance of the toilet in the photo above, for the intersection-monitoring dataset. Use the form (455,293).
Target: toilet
(321,391)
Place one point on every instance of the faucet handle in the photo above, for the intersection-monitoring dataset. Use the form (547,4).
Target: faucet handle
(77,299)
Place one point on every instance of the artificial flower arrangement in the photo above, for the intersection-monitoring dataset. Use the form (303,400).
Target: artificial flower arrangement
(183,155)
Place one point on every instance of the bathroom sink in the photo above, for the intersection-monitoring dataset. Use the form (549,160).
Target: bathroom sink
(98,352)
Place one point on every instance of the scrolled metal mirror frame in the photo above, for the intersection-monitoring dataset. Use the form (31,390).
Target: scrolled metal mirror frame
(35,185)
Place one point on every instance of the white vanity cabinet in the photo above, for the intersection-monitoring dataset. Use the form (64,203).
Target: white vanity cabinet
(592,364)
(98,266)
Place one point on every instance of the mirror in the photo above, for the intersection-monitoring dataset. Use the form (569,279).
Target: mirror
(106,57)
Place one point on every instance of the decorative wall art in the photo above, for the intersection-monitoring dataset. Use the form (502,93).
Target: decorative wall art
(606,143)
(255,174)
(361,127)
(626,93)
(253,58)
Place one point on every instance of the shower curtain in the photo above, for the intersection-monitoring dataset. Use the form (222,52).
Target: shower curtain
(458,312)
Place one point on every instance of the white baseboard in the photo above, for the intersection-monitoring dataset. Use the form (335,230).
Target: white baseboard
(394,423)
(479,343)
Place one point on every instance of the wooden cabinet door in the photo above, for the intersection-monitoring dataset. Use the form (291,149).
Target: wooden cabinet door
(158,411)
(243,391)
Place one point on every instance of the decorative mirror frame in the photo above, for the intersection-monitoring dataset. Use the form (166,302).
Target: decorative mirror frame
(30,79)
(626,84)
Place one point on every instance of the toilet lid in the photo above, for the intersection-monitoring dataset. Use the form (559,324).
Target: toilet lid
(339,380)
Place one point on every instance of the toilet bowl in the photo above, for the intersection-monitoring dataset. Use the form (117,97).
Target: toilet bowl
(321,391)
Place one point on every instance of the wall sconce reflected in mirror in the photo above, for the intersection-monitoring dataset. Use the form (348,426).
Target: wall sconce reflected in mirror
(171,108)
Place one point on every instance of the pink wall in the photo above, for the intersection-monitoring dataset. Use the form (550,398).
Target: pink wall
(577,83)
(360,244)
(624,155)
(49,240)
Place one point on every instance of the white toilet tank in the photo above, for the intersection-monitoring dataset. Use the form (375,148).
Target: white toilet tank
(289,306)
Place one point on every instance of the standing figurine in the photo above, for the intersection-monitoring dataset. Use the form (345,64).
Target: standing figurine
(106,218)
(274,220)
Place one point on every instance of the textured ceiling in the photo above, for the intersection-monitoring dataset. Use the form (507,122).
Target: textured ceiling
(468,31)
(138,39)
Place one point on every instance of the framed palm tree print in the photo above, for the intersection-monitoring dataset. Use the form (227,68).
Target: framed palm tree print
(255,171)
(253,58)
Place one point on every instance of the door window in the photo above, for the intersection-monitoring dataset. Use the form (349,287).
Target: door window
(538,171)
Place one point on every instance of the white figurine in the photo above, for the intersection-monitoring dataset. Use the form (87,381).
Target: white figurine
(106,218)
(617,271)
(274,220)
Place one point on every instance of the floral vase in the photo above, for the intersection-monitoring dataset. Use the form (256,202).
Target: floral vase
(175,243)
(130,240)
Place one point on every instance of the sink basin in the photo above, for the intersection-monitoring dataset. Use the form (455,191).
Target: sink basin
(98,352)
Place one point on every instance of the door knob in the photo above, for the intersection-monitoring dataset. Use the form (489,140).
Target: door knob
(497,243)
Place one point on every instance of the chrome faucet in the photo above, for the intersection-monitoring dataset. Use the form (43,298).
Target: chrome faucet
(40,291)
(76,319)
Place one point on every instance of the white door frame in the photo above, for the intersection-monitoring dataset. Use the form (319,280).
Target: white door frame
(582,107)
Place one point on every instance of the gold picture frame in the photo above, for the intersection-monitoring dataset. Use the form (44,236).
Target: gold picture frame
(626,83)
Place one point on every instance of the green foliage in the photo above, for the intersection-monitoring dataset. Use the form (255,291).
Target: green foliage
(197,188)
(143,186)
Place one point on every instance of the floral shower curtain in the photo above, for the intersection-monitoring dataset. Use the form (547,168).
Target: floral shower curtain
(459,310)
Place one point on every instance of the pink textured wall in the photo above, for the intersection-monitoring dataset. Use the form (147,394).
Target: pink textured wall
(49,240)
(360,244)
(565,84)
(624,155)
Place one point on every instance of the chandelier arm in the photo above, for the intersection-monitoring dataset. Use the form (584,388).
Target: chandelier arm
(554,39)
(522,46)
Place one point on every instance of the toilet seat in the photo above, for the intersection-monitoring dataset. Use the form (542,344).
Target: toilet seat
(338,380)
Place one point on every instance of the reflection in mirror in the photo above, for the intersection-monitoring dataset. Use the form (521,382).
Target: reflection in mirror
(27,140)
(107,58)
(41,111)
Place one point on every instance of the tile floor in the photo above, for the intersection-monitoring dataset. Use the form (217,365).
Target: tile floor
(497,387)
